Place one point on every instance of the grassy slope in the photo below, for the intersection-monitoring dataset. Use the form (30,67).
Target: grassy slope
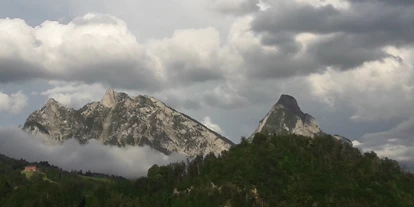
(29,175)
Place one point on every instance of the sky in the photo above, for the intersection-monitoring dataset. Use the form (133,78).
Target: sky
(349,63)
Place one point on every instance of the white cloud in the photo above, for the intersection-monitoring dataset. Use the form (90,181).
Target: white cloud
(379,90)
(209,123)
(397,152)
(13,103)
(189,56)
(100,48)
(129,161)
(356,143)
(263,6)
(74,95)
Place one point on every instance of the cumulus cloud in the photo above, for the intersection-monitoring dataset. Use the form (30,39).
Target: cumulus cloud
(224,96)
(379,90)
(13,103)
(74,95)
(100,48)
(87,48)
(131,162)
(209,124)
(189,56)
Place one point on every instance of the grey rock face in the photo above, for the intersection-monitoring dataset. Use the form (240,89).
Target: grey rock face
(122,120)
(285,117)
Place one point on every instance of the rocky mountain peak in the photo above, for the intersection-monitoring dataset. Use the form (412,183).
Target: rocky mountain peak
(119,119)
(52,102)
(286,117)
(52,105)
(290,103)
(111,98)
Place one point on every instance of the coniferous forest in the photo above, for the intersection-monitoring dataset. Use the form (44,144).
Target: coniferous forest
(269,171)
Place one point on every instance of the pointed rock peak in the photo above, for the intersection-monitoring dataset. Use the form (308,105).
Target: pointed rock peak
(287,118)
(52,105)
(110,98)
(289,102)
(52,102)
(110,91)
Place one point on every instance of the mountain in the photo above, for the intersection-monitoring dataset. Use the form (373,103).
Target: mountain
(286,117)
(119,119)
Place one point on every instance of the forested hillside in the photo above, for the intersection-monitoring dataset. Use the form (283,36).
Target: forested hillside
(271,171)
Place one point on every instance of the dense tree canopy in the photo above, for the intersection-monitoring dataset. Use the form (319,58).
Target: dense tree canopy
(271,171)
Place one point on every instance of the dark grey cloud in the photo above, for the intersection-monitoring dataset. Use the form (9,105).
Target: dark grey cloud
(345,51)
(360,18)
(402,134)
(234,7)
(396,143)
(296,18)
(394,2)
(12,70)
(177,103)
(131,162)
(218,102)
(349,37)
(285,41)
(261,64)
(185,73)
(123,73)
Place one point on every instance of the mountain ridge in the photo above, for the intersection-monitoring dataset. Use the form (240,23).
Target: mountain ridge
(119,119)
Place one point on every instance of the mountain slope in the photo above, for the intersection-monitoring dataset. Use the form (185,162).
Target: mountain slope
(122,120)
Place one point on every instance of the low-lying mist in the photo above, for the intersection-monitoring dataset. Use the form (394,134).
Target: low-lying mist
(130,161)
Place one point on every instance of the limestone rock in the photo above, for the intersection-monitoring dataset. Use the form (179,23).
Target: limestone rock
(121,120)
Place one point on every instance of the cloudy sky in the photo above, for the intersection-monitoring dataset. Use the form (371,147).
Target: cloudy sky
(349,63)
